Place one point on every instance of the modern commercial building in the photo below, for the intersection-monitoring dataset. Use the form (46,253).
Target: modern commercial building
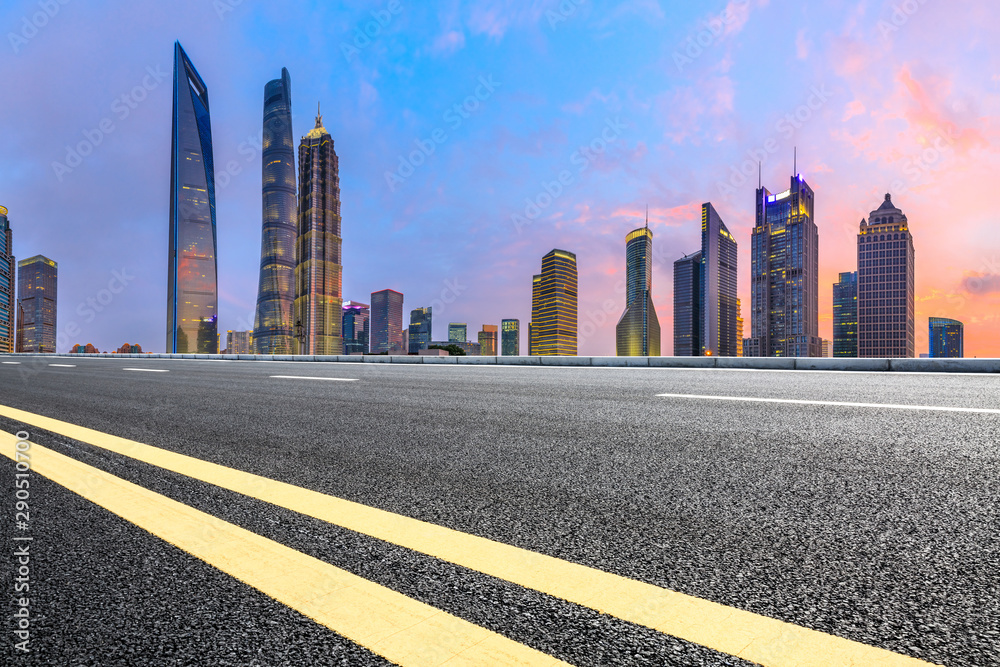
(827,348)
(192,268)
(239,342)
(553,326)
(718,286)
(638,331)
(687,306)
(886,274)
(510,338)
(947,338)
(129,348)
(784,274)
(421,325)
(488,340)
(318,270)
(845,315)
(37,281)
(457,332)
(739,328)
(387,321)
(273,327)
(355,327)
(8,300)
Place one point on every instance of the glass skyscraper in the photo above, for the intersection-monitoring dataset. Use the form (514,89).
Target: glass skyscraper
(355,327)
(687,306)
(457,332)
(387,322)
(717,294)
(421,326)
(8,300)
(784,275)
(947,338)
(273,327)
(845,315)
(510,338)
(192,270)
(638,331)
(36,292)
(553,327)
(886,274)
(318,269)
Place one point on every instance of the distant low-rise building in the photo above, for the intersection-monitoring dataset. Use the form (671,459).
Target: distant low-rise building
(488,340)
(239,342)
(457,332)
(947,338)
(84,349)
(128,348)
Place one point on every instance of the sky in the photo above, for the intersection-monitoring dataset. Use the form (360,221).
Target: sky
(475,137)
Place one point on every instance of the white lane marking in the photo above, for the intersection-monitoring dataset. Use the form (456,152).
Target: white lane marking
(304,377)
(147,370)
(13,363)
(886,406)
(63,365)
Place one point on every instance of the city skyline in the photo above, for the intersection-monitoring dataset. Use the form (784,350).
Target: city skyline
(848,162)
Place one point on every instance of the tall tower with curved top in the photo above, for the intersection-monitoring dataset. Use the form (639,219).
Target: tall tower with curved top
(638,330)
(192,269)
(273,327)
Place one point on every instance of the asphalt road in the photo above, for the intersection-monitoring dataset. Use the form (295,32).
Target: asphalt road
(879,525)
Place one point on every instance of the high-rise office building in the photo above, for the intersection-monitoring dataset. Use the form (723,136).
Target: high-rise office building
(510,338)
(318,271)
(239,342)
(845,315)
(36,290)
(457,332)
(192,268)
(420,331)
(826,347)
(784,274)
(553,327)
(387,322)
(488,340)
(8,300)
(638,331)
(739,328)
(355,327)
(687,306)
(718,286)
(886,275)
(273,328)
(947,338)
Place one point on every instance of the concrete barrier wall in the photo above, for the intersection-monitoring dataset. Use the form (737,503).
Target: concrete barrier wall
(744,363)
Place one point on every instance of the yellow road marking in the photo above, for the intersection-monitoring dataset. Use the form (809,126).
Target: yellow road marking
(740,633)
(388,623)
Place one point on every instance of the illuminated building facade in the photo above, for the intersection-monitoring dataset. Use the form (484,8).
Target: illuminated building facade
(784,274)
(488,340)
(886,303)
(510,338)
(457,332)
(387,321)
(947,338)
(318,271)
(739,328)
(717,295)
(273,328)
(8,300)
(421,326)
(638,331)
(192,269)
(37,281)
(239,342)
(687,306)
(355,327)
(845,315)
(553,328)
(128,348)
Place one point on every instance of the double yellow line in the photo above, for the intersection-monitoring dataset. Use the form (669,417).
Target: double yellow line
(388,623)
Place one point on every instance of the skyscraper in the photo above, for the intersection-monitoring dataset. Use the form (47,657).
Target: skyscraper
(717,295)
(947,338)
(510,338)
(845,315)
(554,306)
(36,291)
(387,322)
(8,300)
(457,332)
(421,326)
(739,328)
(488,340)
(273,327)
(192,270)
(318,271)
(356,327)
(687,306)
(638,331)
(784,274)
(239,342)
(886,309)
